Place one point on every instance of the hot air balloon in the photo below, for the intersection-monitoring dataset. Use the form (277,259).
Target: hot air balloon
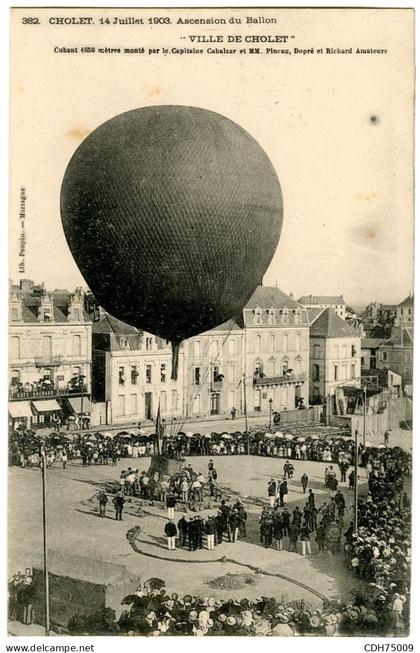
(172,214)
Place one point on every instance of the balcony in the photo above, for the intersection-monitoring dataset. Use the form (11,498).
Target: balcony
(280,380)
(16,393)
(49,361)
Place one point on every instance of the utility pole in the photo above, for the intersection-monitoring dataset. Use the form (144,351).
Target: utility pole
(246,414)
(270,401)
(364,415)
(45,542)
(356,481)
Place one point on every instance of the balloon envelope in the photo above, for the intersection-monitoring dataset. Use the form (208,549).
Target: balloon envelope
(172,214)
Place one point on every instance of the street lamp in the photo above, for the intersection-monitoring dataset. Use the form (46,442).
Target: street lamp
(270,401)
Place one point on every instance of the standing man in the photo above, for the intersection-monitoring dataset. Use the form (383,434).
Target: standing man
(272,492)
(183,530)
(171,533)
(220,522)
(64,458)
(102,500)
(210,532)
(293,537)
(118,502)
(386,438)
(233,412)
(304,482)
(305,539)
(170,504)
(234,525)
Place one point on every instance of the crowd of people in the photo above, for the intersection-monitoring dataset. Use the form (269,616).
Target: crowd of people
(380,551)
(155,612)
(21,592)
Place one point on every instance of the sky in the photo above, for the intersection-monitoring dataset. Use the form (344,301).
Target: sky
(338,130)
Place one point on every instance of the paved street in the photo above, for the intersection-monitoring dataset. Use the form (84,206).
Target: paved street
(75,527)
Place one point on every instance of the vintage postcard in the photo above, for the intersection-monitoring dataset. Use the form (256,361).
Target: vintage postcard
(211,318)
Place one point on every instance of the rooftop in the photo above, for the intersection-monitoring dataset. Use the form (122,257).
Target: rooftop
(270,297)
(329,325)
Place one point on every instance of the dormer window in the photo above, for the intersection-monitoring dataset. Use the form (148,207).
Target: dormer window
(47,315)
(124,343)
(284,316)
(15,315)
(271,316)
(296,316)
(258,316)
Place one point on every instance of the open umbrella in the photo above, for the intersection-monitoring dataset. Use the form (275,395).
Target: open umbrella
(121,433)
(189,434)
(288,436)
(154,583)
(314,436)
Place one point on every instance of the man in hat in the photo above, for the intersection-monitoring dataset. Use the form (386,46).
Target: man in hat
(271,492)
(285,521)
(293,537)
(304,482)
(118,502)
(183,530)
(233,525)
(210,532)
(170,504)
(171,533)
(102,500)
(219,522)
(242,516)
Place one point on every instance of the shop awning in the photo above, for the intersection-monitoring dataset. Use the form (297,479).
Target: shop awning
(46,406)
(76,406)
(20,409)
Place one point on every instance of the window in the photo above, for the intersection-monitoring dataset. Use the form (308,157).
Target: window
(76,370)
(317,351)
(197,348)
(407,357)
(335,351)
(134,374)
(296,316)
(353,371)
(284,316)
(285,342)
(335,372)
(76,314)
(148,373)
(232,346)
(258,369)
(15,314)
(47,315)
(163,401)
(285,366)
(272,367)
(384,355)
(76,345)
(217,375)
(345,370)
(258,341)
(315,372)
(15,377)
(47,346)
(298,341)
(149,343)
(272,342)
(363,361)
(197,375)
(121,376)
(258,316)
(174,400)
(353,351)
(344,351)
(133,404)
(163,373)
(271,316)
(14,347)
(124,342)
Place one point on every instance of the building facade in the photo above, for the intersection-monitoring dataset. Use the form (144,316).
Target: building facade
(396,353)
(334,356)
(404,312)
(336,303)
(50,356)
(221,371)
(132,373)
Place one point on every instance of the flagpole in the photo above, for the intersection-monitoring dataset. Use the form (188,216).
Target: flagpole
(246,415)
(45,543)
